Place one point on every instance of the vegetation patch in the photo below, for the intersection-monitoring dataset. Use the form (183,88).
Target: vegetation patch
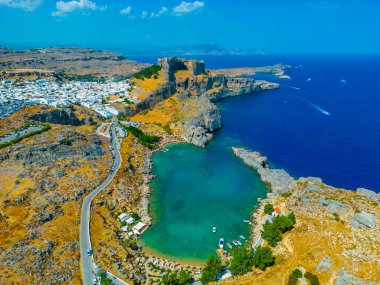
(293,278)
(312,278)
(211,270)
(62,76)
(145,140)
(244,259)
(181,277)
(45,127)
(148,72)
(272,231)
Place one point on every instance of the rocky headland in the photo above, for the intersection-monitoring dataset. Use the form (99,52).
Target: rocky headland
(337,234)
(196,90)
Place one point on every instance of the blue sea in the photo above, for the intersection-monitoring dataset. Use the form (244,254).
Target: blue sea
(291,125)
(323,122)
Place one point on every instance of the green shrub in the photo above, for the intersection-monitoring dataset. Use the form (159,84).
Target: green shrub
(271,233)
(312,278)
(286,194)
(211,270)
(268,209)
(181,277)
(263,257)
(145,140)
(297,273)
(242,261)
(148,72)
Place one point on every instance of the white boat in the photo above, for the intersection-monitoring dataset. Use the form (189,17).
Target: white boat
(221,243)
(242,237)
(214,229)
(309,79)
(238,242)
(235,242)
(245,221)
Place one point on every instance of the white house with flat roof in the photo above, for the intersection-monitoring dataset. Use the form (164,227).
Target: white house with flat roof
(123,217)
(139,227)
(130,221)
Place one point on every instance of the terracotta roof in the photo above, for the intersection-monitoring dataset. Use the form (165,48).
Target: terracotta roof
(277,210)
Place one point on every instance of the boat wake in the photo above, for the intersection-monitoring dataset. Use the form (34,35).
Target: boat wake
(293,87)
(323,111)
(344,81)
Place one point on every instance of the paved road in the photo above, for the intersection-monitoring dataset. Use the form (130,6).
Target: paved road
(87,262)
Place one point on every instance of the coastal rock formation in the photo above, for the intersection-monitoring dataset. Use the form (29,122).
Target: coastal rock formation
(278,180)
(368,193)
(64,116)
(171,65)
(325,264)
(333,221)
(363,220)
(197,89)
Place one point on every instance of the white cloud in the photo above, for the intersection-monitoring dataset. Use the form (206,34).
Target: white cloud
(187,7)
(162,11)
(63,8)
(27,5)
(126,11)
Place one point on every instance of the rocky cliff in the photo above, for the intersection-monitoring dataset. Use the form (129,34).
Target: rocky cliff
(197,87)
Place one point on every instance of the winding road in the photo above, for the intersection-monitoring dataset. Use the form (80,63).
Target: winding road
(88,264)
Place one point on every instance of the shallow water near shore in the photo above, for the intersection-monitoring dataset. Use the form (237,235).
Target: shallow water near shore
(195,190)
(324,122)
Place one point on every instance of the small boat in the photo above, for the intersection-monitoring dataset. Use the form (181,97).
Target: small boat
(214,229)
(245,221)
(309,79)
(234,242)
(238,242)
(221,243)
(229,245)
(242,237)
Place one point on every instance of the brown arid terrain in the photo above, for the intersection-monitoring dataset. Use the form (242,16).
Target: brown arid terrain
(336,236)
(43,62)
(42,182)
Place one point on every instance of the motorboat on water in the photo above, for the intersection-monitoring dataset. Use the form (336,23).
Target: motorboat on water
(221,243)
(238,242)
(242,237)
(245,221)
(214,229)
(235,242)
(229,245)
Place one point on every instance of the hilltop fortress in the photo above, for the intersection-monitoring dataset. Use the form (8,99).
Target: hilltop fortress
(189,79)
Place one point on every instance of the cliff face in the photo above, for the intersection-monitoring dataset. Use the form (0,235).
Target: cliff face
(195,86)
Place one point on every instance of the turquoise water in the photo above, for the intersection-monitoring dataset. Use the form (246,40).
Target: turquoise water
(195,190)
(324,122)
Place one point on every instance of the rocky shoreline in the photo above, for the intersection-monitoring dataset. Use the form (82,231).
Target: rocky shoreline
(315,202)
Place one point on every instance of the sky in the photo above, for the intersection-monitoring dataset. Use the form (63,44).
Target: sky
(269,26)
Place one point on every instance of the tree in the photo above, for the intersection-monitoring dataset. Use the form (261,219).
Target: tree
(184,277)
(181,277)
(292,217)
(211,270)
(263,257)
(271,233)
(268,209)
(283,223)
(242,261)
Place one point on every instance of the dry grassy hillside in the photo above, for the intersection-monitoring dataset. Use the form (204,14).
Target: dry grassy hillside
(42,182)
